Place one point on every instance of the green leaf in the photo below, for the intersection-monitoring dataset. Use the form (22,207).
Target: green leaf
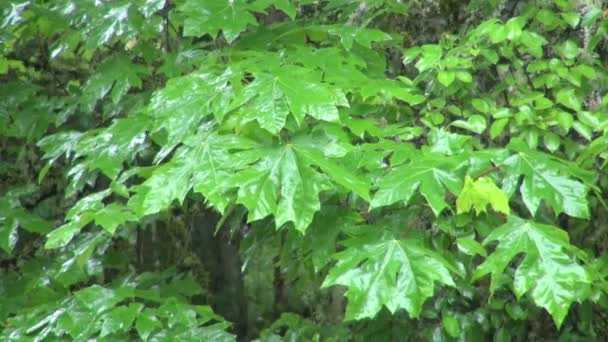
(120,319)
(548,18)
(569,98)
(108,150)
(112,216)
(569,49)
(497,127)
(475,123)
(320,239)
(115,76)
(481,105)
(548,273)
(479,194)
(209,17)
(184,102)
(446,77)
(8,233)
(585,70)
(583,130)
(430,55)
(11,218)
(432,175)
(283,183)
(147,322)
(565,120)
(350,34)
(464,76)
(64,234)
(572,18)
(205,162)
(591,16)
(471,247)
(551,141)
(105,21)
(451,325)
(98,298)
(287,7)
(444,142)
(271,97)
(384,271)
(169,182)
(213,165)
(545,178)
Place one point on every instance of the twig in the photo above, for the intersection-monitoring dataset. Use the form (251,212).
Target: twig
(488,171)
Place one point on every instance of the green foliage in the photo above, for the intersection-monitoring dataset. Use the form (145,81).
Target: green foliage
(293,163)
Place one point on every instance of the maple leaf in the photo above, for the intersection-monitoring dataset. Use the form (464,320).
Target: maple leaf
(282,181)
(116,76)
(209,17)
(271,97)
(432,174)
(548,272)
(385,271)
(185,101)
(545,178)
(204,163)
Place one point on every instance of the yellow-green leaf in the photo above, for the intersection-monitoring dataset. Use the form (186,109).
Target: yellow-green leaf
(478,194)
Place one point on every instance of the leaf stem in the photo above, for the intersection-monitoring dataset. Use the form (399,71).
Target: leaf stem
(488,171)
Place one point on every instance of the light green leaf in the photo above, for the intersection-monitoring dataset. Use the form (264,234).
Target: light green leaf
(565,120)
(479,194)
(548,273)
(497,127)
(498,33)
(384,271)
(446,77)
(551,141)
